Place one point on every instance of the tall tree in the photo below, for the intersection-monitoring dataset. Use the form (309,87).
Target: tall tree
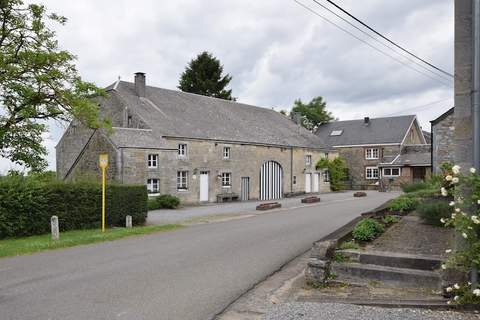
(312,114)
(38,82)
(203,75)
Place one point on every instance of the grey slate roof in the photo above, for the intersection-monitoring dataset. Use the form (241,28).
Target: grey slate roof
(136,138)
(415,155)
(355,132)
(178,114)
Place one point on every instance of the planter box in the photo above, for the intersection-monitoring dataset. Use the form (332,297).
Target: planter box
(268,206)
(360,194)
(312,199)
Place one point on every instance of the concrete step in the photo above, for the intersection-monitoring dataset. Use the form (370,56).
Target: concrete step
(394,259)
(387,276)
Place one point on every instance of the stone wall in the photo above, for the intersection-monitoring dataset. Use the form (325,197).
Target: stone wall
(443,142)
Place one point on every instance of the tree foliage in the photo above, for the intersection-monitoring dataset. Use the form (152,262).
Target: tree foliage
(203,75)
(38,82)
(312,114)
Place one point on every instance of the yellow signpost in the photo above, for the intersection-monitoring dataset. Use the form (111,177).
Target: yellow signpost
(103,163)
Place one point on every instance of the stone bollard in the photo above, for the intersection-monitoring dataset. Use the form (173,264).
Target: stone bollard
(128,221)
(54,227)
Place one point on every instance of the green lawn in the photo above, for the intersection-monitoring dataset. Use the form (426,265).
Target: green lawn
(27,245)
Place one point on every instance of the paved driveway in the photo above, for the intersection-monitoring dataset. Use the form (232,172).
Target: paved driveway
(237,208)
(191,273)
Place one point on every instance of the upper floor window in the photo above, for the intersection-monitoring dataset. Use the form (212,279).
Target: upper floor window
(226,179)
(372,153)
(182,180)
(308,160)
(182,150)
(153,185)
(152,160)
(371,173)
(226,152)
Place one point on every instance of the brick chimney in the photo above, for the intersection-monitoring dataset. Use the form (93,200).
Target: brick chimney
(366,121)
(140,84)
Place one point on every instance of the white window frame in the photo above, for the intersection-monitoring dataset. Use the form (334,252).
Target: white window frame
(372,170)
(391,172)
(308,160)
(182,150)
(226,152)
(182,180)
(152,160)
(153,185)
(372,153)
(226,179)
(326,176)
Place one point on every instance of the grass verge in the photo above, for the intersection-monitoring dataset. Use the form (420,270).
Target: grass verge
(28,245)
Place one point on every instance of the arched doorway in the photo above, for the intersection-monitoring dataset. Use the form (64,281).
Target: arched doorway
(271,181)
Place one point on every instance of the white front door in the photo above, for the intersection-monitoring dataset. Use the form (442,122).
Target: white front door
(308,182)
(316,179)
(204,186)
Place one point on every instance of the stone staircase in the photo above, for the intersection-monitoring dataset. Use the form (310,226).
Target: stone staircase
(388,269)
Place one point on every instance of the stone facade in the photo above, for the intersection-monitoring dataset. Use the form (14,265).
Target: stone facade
(443,142)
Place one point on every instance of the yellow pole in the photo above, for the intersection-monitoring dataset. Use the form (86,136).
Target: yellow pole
(103,199)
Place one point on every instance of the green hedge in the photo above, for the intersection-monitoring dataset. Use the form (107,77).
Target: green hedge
(432,211)
(164,201)
(26,206)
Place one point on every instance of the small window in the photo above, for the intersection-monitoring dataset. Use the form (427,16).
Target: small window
(308,160)
(326,176)
(371,173)
(391,172)
(226,179)
(182,180)
(294,179)
(226,152)
(153,185)
(182,150)
(336,133)
(152,160)
(372,153)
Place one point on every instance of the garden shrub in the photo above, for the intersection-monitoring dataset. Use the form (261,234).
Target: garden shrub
(403,204)
(337,169)
(433,211)
(164,201)
(415,186)
(27,205)
(367,230)
(349,245)
(390,219)
(424,194)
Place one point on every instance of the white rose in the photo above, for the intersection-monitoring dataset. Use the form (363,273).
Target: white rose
(444,267)
(478,201)
(457,210)
(442,220)
(449,178)
(476,292)
(449,289)
(456,286)
(464,235)
(473,170)
(444,192)
(448,250)
(455,180)
(454,215)
(452,203)
(456,298)
(456,169)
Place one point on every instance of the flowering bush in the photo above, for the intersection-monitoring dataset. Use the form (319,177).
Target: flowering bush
(465,220)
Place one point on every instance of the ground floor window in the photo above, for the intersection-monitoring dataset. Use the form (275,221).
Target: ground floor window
(326,176)
(391,172)
(182,180)
(153,185)
(371,173)
(226,179)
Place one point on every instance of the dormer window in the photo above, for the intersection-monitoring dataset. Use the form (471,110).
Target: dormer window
(336,133)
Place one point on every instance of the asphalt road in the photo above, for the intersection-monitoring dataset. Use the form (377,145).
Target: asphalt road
(191,273)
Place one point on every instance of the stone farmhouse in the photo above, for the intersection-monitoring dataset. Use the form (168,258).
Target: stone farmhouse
(390,150)
(443,140)
(198,148)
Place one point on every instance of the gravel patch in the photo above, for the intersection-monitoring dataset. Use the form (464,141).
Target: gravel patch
(328,311)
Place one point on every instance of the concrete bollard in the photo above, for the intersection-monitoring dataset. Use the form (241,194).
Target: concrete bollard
(128,221)
(54,227)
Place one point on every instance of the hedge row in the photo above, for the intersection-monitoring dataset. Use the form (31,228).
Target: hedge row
(26,206)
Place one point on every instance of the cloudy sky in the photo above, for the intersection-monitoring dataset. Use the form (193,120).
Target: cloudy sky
(276,51)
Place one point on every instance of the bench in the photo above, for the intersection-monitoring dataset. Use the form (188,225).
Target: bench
(227,197)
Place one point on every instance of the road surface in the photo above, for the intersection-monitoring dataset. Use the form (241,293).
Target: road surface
(191,273)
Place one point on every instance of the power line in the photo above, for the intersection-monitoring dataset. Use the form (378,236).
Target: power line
(417,107)
(370,45)
(387,39)
(380,42)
